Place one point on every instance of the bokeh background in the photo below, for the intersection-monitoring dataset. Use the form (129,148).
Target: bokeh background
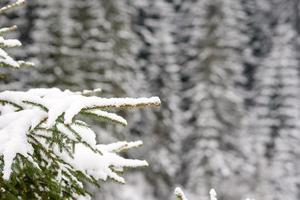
(227,72)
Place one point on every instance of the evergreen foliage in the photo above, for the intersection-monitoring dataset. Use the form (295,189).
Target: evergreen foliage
(154,23)
(227,72)
(211,48)
(82,45)
(5,59)
(46,152)
(277,109)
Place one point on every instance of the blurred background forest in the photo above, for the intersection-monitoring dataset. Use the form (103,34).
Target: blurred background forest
(227,72)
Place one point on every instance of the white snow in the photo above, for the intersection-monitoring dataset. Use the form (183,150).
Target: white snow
(58,102)
(179,193)
(20,1)
(7,29)
(9,42)
(97,165)
(120,146)
(64,130)
(13,129)
(6,59)
(86,134)
(111,116)
(43,107)
(82,102)
(213,194)
(83,197)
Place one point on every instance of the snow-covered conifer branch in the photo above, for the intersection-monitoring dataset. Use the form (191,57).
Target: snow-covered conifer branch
(106,116)
(8,29)
(122,146)
(12,6)
(69,104)
(44,148)
(179,194)
(5,59)
(123,103)
(39,126)
(9,43)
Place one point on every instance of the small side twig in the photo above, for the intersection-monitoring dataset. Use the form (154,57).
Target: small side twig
(11,6)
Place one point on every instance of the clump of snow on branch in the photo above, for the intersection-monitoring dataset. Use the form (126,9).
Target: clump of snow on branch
(37,112)
(14,127)
(12,6)
(9,42)
(213,194)
(5,59)
(179,194)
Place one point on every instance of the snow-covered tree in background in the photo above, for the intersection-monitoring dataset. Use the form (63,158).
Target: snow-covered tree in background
(46,152)
(84,45)
(277,109)
(258,46)
(88,41)
(191,53)
(12,78)
(50,32)
(6,60)
(212,43)
(154,23)
(104,50)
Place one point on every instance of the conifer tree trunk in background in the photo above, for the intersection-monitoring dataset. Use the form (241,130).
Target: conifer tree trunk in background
(212,46)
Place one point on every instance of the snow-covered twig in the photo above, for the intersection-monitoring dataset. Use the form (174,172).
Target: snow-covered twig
(107,116)
(179,194)
(9,43)
(8,29)
(12,6)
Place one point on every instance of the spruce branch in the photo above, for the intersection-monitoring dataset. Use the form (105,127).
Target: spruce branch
(105,116)
(125,146)
(18,107)
(127,103)
(43,146)
(23,63)
(5,30)
(12,6)
(9,43)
